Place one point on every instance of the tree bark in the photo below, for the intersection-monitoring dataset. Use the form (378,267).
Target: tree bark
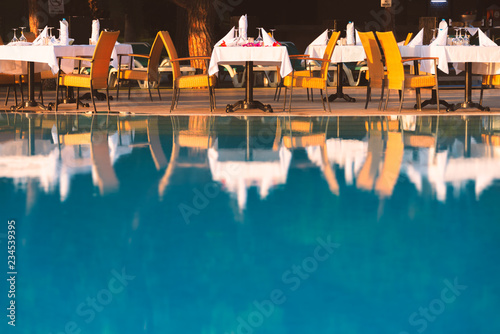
(34,20)
(199,31)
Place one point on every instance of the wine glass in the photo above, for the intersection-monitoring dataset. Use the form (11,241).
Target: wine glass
(14,39)
(433,35)
(259,41)
(456,39)
(22,38)
(272,32)
(466,39)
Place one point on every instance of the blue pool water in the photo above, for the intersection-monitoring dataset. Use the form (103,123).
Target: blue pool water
(251,225)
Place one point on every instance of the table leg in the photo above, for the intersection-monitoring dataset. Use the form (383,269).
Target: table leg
(31,92)
(468,104)
(248,102)
(340,94)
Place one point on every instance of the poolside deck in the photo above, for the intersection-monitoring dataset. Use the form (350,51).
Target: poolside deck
(195,102)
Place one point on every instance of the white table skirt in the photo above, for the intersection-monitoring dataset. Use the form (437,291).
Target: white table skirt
(239,55)
(484,59)
(13,58)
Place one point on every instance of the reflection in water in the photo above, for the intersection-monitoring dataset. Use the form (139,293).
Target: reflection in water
(244,153)
(213,215)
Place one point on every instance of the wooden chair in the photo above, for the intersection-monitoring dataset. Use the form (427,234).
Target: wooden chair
(397,78)
(181,81)
(148,74)
(408,38)
(98,77)
(376,74)
(489,81)
(304,79)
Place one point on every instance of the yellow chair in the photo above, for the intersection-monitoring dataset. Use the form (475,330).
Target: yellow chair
(376,74)
(98,77)
(489,81)
(304,79)
(187,81)
(408,38)
(147,74)
(397,78)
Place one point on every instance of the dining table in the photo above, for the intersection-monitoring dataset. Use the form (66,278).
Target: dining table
(27,59)
(341,54)
(472,59)
(250,56)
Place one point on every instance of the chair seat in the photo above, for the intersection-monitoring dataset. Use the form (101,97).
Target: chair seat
(199,80)
(305,82)
(135,74)
(416,81)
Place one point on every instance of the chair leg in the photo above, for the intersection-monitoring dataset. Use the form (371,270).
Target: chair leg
(57,92)
(326,94)
(8,93)
(77,98)
(107,98)
(401,98)
(174,94)
(117,86)
(277,92)
(284,99)
(368,95)
(437,97)
(129,86)
(158,89)
(322,100)
(387,98)
(382,95)
(291,95)
(92,96)
(149,90)
(480,95)
(41,91)
(177,98)
(210,98)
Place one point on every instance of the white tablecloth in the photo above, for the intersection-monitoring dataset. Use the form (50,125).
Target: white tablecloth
(483,58)
(238,55)
(341,54)
(13,58)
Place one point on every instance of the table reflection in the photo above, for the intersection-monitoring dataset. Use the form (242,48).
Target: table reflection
(439,156)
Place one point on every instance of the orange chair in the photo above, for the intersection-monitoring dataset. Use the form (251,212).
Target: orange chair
(182,81)
(397,78)
(148,74)
(304,79)
(98,77)
(376,74)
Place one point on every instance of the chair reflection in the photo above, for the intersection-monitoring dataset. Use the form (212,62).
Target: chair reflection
(303,133)
(191,141)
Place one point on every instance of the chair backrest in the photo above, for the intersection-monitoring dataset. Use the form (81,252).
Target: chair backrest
(102,57)
(395,69)
(328,53)
(172,54)
(154,57)
(373,58)
(408,38)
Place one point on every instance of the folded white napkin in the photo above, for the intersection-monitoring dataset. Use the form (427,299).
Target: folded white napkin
(418,39)
(472,31)
(95,31)
(321,39)
(243,26)
(268,40)
(485,40)
(64,32)
(350,33)
(40,38)
(229,38)
(358,40)
(442,36)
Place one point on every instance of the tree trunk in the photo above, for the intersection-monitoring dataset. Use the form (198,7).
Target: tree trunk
(34,20)
(199,30)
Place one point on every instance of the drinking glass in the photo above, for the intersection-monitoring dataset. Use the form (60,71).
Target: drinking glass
(14,39)
(22,38)
(272,32)
(259,41)
(433,35)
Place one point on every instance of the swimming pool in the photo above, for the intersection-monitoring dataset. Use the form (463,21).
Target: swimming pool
(251,224)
